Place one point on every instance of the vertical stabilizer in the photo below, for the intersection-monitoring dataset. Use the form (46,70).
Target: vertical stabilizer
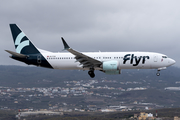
(22,44)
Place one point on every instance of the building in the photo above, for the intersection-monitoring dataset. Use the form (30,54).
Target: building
(172,88)
(108,110)
(25,114)
(176,118)
(144,116)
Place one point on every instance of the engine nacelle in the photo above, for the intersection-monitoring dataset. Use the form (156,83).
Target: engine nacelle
(111,67)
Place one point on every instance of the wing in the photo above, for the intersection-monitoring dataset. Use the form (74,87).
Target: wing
(86,61)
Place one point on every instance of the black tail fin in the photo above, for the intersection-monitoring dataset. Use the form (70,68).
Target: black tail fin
(22,44)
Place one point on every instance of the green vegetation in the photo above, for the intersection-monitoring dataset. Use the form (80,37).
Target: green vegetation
(167,113)
(7,114)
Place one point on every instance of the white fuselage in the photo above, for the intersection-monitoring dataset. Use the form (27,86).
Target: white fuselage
(127,60)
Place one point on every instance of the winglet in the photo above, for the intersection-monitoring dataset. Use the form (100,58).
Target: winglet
(66,46)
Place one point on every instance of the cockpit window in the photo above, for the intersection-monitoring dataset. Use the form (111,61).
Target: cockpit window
(164,57)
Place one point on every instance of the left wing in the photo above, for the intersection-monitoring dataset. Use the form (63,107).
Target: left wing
(86,61)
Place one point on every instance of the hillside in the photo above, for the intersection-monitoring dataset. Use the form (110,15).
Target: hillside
(18,76)
(104,90)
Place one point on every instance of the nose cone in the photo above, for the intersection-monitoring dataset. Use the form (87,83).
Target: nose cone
(171,62)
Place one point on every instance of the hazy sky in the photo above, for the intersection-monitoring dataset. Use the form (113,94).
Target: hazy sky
(93,25)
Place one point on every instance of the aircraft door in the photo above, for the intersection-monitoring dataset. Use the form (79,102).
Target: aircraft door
(39,59)
(155,58)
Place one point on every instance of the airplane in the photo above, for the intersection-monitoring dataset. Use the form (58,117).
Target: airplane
(107,62)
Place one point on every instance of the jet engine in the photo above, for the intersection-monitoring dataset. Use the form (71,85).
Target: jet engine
(111,67)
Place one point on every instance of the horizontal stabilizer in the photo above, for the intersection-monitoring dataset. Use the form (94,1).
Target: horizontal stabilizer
(16,54)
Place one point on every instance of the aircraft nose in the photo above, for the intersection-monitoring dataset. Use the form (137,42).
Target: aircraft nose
(171,61)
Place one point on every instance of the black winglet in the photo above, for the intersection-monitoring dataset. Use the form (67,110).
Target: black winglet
(66,46)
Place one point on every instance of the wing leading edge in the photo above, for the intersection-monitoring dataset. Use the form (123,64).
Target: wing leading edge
(86,61)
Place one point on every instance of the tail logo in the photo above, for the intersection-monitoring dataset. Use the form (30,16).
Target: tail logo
(21,45)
